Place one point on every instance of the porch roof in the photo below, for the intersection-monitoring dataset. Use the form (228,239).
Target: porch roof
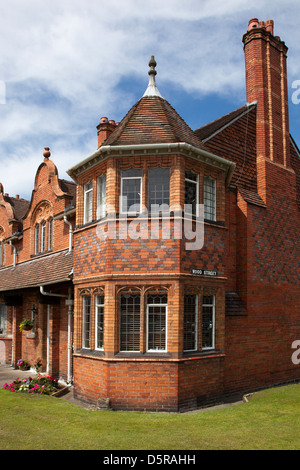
(48,269)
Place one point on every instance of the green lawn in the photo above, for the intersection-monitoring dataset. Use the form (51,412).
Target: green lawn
(271,420)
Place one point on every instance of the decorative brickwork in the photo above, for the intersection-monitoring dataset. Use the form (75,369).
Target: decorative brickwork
(174,310)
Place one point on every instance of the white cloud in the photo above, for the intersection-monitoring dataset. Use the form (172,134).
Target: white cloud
(67,63)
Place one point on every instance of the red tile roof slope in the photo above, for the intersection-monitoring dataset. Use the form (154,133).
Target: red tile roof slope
(38,271)
(233,137)
(19,206)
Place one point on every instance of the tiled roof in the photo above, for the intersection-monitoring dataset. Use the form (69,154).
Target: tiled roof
(19,206)
(38,271)
(252,197)
(152,120)
(69,187)
(233,137)
(208,130)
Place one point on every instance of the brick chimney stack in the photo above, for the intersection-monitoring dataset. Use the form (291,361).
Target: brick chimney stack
(105,128)
(266,83)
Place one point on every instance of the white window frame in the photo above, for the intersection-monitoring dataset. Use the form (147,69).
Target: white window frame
(43,236)
(84,330)
(50,234)
(37,239)
(3,319)
(2,253)
(123,178)
(88,210)
(97,305)
(196,325)
(101,201)
(212,202)
(147,328)
(213,305)
(197,193)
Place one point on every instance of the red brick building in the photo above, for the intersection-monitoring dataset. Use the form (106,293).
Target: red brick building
(36,272)
(172,308)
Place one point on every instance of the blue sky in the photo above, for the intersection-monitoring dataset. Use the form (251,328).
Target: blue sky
(65,64)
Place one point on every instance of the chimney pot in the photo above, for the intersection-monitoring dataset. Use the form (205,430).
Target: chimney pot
(17,196)
(105,128)
(253,23)
(270,26)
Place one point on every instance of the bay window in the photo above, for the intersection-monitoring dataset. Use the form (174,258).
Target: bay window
(86,324)
(157,306)
(88,202)
(130,310)
(200,332)
(158,187)
(208,322)
(101,197)
(131,191)
(209,198)
(190,322)
(99,315)
(191,192)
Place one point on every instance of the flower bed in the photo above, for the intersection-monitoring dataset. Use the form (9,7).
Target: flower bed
(42,384)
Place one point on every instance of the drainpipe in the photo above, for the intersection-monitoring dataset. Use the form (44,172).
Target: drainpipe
(69,303)
(70,233)
(50,294)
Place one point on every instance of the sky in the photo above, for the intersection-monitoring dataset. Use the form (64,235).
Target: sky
(65,64)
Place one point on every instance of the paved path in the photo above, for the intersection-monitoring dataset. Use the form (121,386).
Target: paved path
(8,374)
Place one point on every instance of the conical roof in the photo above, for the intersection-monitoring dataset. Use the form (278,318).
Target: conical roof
(152,120)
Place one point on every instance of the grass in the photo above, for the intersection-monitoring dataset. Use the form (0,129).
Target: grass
(270,421)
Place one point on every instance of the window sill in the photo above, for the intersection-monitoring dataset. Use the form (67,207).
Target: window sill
(122,355)
(215,223)
(43,253)
(89,352)
(202,354)
(140,355)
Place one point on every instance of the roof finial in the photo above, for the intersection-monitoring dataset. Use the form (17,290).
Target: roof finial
(152,89)
(46,153)
(152,65)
